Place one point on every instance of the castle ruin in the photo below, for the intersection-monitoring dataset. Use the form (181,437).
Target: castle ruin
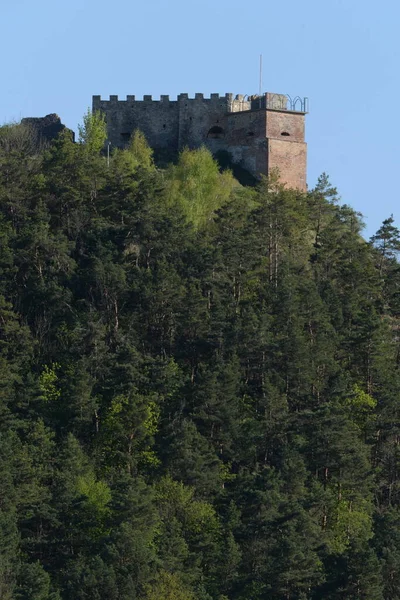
(261,133)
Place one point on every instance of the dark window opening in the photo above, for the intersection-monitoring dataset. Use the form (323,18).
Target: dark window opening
(164,126)
(216,133)
(250,133)
(125,137)
(285,133)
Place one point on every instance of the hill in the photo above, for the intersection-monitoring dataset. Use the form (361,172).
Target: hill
(199,389)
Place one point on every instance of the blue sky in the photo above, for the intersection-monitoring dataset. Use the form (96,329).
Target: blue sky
(342,54)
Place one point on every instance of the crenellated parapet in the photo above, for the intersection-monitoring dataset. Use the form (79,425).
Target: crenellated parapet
(233,103)
(167,122)
(166,98)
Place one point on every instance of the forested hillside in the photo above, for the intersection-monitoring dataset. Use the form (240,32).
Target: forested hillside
(199,382)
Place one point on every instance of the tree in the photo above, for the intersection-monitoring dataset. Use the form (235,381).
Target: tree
(167,587)
(93,131)
(140,150)
(386,241)
(198,186)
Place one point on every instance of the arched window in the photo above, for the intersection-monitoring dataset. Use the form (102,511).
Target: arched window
(216,133)
(285,133)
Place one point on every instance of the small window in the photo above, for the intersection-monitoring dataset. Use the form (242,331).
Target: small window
(125,137)
(285,134)
(164,126)
(216,133)
(250,133)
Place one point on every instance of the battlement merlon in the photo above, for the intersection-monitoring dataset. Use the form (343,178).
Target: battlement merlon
(233,103)
(98,100)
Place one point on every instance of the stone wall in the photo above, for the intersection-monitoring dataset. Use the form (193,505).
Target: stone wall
(47,128)
(259,133)
(158,120)
(198,116)
(246,140)
(290,158)
(166,123)
(287,150)
(286,125)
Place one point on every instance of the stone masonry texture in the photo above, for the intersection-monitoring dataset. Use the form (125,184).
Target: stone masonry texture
(260,133)
(47,127)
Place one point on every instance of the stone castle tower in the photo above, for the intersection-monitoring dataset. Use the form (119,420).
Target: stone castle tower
(261,133)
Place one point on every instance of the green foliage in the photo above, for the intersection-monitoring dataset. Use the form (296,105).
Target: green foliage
(167,587)
(196,184)
(97,494)
(34,584)
(198,382)
(47,383)
(348,522)
(93,131)
(140,151)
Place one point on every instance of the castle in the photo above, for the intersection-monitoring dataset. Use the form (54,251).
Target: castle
(261,133)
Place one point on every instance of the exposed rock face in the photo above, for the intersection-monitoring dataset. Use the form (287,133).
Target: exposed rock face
(48,127)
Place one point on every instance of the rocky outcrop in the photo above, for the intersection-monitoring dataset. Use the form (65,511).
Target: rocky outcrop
(48,127)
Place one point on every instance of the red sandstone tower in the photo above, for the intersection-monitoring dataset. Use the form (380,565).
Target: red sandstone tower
(286,147)
(266,134)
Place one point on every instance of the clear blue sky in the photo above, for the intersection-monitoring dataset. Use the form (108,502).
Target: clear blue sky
(342,54)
